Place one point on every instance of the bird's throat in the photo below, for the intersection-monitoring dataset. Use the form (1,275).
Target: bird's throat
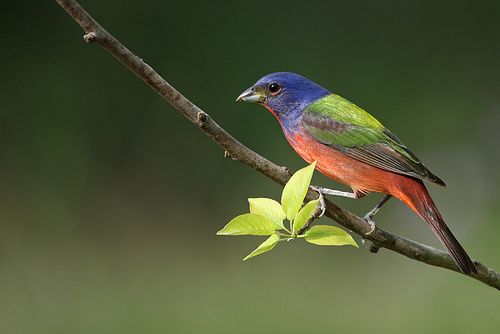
(272,112)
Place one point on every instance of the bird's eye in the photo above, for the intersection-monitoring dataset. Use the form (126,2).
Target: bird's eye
(274,88)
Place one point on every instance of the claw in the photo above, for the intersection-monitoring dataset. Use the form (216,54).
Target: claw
(321,200)
(322,205)
(369,220)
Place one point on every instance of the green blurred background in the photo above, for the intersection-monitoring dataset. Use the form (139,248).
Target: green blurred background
(110,200)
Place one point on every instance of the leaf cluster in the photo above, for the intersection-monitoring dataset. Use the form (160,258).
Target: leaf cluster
(287,220)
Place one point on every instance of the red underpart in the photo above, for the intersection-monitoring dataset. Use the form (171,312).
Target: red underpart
(361,177)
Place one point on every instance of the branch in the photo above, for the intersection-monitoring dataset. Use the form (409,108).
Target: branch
(237,151)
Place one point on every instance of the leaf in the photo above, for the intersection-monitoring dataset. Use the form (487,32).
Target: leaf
(325,235)
(249,223)
(269,208)
(295,191)
(266,246)
(304,214)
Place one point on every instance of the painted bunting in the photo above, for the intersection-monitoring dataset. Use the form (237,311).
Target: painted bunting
(352,147)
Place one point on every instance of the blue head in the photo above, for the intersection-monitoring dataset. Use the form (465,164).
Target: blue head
(285,94)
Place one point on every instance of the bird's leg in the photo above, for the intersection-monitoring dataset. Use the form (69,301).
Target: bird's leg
(369,216)
(326,191)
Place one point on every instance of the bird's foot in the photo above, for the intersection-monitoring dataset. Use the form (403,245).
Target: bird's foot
(369,219)
(321,198)
(367,243)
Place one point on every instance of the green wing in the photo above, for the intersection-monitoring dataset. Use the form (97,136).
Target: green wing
(336,122)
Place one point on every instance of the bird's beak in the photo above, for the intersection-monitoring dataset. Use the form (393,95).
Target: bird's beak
(251,95)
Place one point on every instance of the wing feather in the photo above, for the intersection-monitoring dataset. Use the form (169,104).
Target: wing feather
(360,136)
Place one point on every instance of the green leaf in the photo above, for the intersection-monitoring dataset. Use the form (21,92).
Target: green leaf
(304,214)
(266,246)
(249,223)
(325,235)
(295,191)
(269,208)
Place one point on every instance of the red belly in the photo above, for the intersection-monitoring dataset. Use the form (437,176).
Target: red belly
(361,177)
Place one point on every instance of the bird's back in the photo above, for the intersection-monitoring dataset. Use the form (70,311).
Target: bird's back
(340,124)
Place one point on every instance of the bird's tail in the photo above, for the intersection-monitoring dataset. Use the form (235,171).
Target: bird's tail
(414,194)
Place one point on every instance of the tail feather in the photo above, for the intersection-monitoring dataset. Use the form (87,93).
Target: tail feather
(414,194)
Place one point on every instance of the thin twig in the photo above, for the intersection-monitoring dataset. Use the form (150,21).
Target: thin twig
(94,33)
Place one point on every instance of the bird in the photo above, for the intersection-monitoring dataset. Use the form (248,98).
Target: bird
(352,147)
